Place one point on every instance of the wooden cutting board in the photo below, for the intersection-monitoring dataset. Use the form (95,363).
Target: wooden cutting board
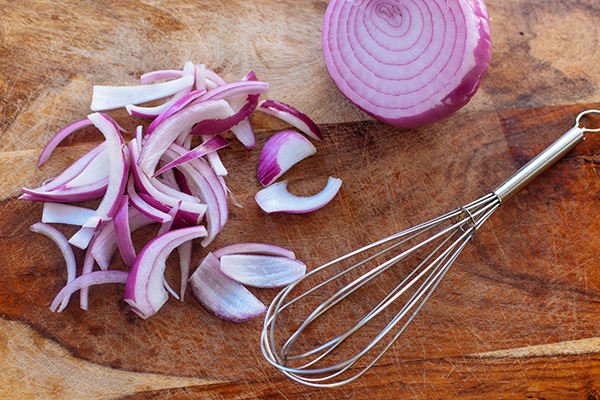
(517,315)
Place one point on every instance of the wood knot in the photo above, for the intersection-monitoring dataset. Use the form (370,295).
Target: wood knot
(593,395)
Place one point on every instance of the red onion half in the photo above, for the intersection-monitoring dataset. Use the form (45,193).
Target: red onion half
(407,63)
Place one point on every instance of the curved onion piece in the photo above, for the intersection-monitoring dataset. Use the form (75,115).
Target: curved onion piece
(214,78)
(119,167)
(182,218)
(57,213)
(232,90)
(62,134)
(407,63)
(61,241)
(82,237)
(177,106)
(74,169)
(185,262)
(169,129)
(276,198)
(145,292)
(280,153)
(80,193)
(123,232)
(151,112)
(289,114)
(206,185)
(97,170)
(111,97)
(262,271)
(149,186)
(200,75)
(211,145)
(88,266)
(254,248)
(87,280)
(214,127)
(105,243)
(150,77)
(142,206)
(221,295)
(166,226)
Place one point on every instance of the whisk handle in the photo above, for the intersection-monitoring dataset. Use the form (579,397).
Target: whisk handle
(542,162)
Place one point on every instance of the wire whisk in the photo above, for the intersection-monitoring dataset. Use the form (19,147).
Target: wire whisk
(432,247)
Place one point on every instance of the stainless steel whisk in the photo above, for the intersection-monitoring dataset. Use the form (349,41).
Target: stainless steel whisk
(447,234)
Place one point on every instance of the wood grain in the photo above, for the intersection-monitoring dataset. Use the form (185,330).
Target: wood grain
(515,318)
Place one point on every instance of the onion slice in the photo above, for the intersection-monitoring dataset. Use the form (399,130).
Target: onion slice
(105,243)
(211,145)
(123,232)
(169,129)
(262,271)
(59,137)
(254,248)
(150,77)
(292,116)
(276,198)
(280,153)
(185,262)
(111,97)
(221,295)
(61,241)
(407,63)
(87,280)
(145,291)
(58,213)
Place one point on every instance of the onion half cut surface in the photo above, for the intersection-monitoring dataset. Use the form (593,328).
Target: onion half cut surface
(407,63)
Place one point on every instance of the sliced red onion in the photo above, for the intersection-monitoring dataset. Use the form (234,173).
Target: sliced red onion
(57,213)
(111,97)
(289,114)
(168,178)
(151,112)
(185,261)
(200,187)
(202,179)
(409,63)
(169,129)
(215,162)
(80,193)
(88,266)
(276,198)
(97,170)
(214,78)
(119,167)
(200,77)
(211,145)
(177,106)
(244,133)
(181,219)
(166,226)
(139,137)
(123,232)
(221,295)
(262,271)
(74,169)
(232,90)
(61,241)
(59,137)
(150,77)
(254,248)
(105,243)
(145,292)
(282,151)
(182,182)
(170,289)
(147,185)
(82,237)
(142,206)
(87,280)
